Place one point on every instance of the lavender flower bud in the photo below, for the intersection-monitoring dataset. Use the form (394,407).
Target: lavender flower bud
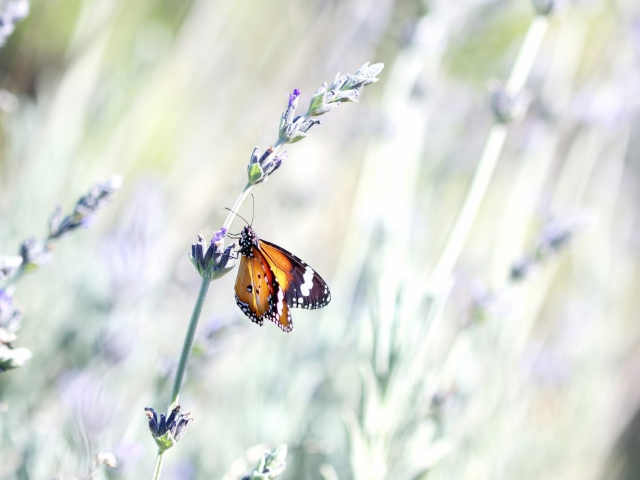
(270,466)
(212,261)
(293,98)
(260,168)
(166,431)
(506,106)
(34,254)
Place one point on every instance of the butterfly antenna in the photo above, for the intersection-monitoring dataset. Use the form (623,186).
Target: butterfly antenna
(235,213)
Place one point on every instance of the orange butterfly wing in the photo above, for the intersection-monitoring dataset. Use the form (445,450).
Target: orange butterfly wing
(254,288)
(303,287)
(258,293)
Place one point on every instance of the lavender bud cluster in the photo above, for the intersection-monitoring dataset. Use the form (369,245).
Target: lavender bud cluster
(345,88)
(212,261)
(34,253)
(167,430)
(261,166)
(292,129)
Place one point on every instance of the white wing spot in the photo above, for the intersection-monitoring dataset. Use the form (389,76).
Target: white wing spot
(280,304)
(305,288)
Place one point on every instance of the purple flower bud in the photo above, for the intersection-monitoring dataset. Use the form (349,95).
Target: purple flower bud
(219,235)
(175,425)
(293,98)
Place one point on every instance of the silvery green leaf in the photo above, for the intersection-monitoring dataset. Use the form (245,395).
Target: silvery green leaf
(317,102)
(255,173)
(347,96)
(363,69)
(375,69)
(339,82)
(321,89)
(306,125)
(326,108)
(297,137)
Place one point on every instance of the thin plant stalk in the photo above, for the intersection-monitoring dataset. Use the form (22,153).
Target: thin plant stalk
(184,357)
(492,149)
(158,467)
(188,342)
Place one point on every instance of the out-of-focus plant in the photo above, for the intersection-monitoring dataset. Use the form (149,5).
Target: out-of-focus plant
(35,253)
(212,260)
(403,398)
(13,12)
(270,465)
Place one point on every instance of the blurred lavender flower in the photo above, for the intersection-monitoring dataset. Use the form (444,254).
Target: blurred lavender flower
(214,262)
(546,364)
(611,104)
(345,88)
(506,106)
(129,454)
(270,466)
(166,431)
(34,254)
(14,12)
(182,471)
(84,211)
(9,266)
(554,237)
(85,395)
(10,314)
(10,317)
(260,167)
(487,304)
(130,249)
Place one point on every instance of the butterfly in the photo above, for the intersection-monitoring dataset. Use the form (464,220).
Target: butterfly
(271,281)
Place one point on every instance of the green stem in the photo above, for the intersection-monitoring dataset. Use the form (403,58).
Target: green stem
(188,342)
(236,206)
(158,467)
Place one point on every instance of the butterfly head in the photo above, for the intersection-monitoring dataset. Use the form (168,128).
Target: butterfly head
(248,240)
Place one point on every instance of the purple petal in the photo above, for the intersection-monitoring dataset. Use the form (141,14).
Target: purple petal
(219,235)
(293,97)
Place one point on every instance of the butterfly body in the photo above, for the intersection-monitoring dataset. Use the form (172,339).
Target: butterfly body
(272,280)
